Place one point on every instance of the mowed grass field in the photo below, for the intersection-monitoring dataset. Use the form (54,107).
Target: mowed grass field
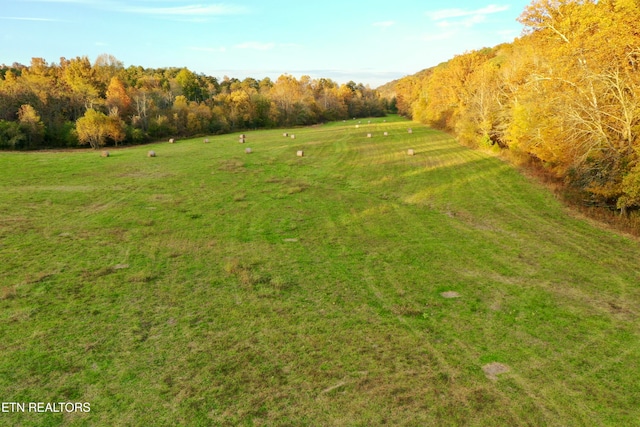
(354,286)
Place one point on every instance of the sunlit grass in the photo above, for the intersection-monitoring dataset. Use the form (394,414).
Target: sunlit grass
(207,286)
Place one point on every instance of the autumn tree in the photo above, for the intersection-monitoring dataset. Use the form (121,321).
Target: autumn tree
(115,128)
(80,77)
(590,65)
(117,99)
(31,125)
(92,128)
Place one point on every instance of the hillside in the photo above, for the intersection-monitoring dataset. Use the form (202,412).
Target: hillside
(355,285)
(563,97)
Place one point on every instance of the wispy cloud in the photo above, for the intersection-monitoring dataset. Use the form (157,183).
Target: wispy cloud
(65,1)
(384,24)
(468,22)
(255,46)
(186,10)
(439,15)
(142,7)
(17,18)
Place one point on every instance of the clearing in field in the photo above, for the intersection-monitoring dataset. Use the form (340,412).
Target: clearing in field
(353,285)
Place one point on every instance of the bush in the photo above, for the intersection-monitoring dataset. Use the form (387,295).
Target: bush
(11,136)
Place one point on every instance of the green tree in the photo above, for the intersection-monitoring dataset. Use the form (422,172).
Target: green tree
(11,136)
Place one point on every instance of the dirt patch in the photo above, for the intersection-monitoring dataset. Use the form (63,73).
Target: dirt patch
(492,370)
(450,295)
(232,166)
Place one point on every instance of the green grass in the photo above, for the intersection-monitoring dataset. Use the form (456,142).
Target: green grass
(210,287)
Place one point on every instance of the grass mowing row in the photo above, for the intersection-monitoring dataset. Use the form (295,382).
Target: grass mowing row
(207,286)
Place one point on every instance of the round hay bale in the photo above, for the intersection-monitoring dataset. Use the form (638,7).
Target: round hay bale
(369,135)
(247,150)
(285,134)
(293,136)
(411,152)
(386,134)
(241,140)
(300,153)
(151,153)
(172,140)
(104,154)
(357,126)
(206,140)
(410,130)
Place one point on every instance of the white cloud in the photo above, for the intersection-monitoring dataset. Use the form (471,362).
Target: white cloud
(255,46)
(464,23)
(443,14)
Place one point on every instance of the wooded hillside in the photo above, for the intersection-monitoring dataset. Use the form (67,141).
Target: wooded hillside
(565,94)
(77,102)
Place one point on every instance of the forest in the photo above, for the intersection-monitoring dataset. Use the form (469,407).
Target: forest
(76,103)
(564,96)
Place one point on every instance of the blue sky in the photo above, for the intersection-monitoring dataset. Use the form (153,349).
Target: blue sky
(370,42)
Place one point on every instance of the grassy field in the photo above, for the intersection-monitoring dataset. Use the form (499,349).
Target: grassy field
(354,286)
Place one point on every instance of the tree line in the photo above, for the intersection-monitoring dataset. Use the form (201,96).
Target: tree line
(564,94)
(76,102)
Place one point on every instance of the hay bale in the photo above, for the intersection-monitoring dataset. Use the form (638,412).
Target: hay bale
(293,136)
(104,154)
(206,140)
(369,135)
(386,134)
(357,126)
(171,141)
(410,152)
(242,135)
(247,150)
(410,130)
(300,153)
(285,134)
(241,141)
(369,122)
(151,153)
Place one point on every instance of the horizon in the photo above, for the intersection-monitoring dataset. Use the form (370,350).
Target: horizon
(371,44)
